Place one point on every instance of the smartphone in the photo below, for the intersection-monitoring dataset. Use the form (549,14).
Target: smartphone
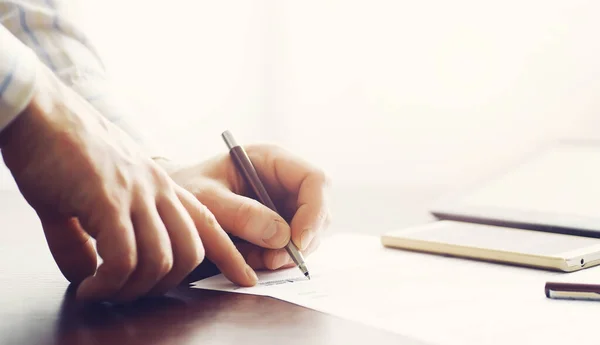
(530,248)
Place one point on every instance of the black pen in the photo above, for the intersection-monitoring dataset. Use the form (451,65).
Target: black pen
(573,291)
(246,168)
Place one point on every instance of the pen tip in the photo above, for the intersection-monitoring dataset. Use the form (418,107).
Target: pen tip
(307,275)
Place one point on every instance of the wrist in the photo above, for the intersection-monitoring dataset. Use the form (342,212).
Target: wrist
(14,126)
(26,126)
(19,78)
(14,136)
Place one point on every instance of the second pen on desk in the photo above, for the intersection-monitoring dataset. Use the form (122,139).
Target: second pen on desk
(244,165)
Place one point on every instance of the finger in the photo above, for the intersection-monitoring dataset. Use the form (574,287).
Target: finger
(252,254)
(312,213)
(247,218)
(290,211)
(155,256)
(290,205)
(261,258)
(188,251)
(282,170)
(115,242)
(314,245)
(70,246)
(218,246)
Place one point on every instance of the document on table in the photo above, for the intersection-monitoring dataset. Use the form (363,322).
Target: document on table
(436,299)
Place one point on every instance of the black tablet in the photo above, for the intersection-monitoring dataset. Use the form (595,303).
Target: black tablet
(556,189)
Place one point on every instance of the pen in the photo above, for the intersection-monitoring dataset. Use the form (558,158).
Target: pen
(246,168)
(572,291)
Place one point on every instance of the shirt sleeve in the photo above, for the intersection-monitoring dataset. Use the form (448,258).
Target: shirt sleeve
(17,77)
(50,29)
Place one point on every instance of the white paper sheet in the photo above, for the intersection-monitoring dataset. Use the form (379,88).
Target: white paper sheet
(436,299)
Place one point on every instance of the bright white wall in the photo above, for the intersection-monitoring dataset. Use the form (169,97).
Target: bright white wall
(377,92)
(195,68)
(433,91)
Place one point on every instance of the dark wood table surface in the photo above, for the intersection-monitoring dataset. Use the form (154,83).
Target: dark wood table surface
(37,305)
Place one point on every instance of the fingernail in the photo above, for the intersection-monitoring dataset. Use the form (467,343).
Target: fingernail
(251,274)
(305,238)
(276,235)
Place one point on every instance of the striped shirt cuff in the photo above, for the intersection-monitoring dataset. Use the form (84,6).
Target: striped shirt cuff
(18,67)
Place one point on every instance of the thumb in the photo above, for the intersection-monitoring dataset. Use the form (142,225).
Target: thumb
(246,218)
(70,246)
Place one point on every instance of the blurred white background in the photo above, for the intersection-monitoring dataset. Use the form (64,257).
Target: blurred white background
(426,93)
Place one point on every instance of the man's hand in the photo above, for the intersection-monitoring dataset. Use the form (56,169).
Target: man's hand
(298,189)
(85,179)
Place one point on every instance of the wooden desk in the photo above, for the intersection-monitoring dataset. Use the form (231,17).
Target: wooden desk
(37,307)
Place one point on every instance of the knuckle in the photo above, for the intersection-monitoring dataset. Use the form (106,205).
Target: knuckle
(109,214)
(208,218)
(242,215)
(197,256)
(159,177)
(158,267)
(164,264)
(123,177)
(182,193)
(111,205)
(194,258)
(126,265)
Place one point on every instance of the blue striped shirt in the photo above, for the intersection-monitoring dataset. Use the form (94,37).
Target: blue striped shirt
(17,77)
(34,32)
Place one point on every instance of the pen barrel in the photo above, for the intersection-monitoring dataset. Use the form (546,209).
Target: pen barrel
(245,166)
(296,256)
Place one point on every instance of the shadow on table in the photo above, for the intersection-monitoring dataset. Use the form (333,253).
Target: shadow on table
(184,316)
(181,317)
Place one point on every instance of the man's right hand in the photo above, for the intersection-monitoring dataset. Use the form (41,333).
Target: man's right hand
(86,179)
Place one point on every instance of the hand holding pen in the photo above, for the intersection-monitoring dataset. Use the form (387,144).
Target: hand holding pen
(299,188)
